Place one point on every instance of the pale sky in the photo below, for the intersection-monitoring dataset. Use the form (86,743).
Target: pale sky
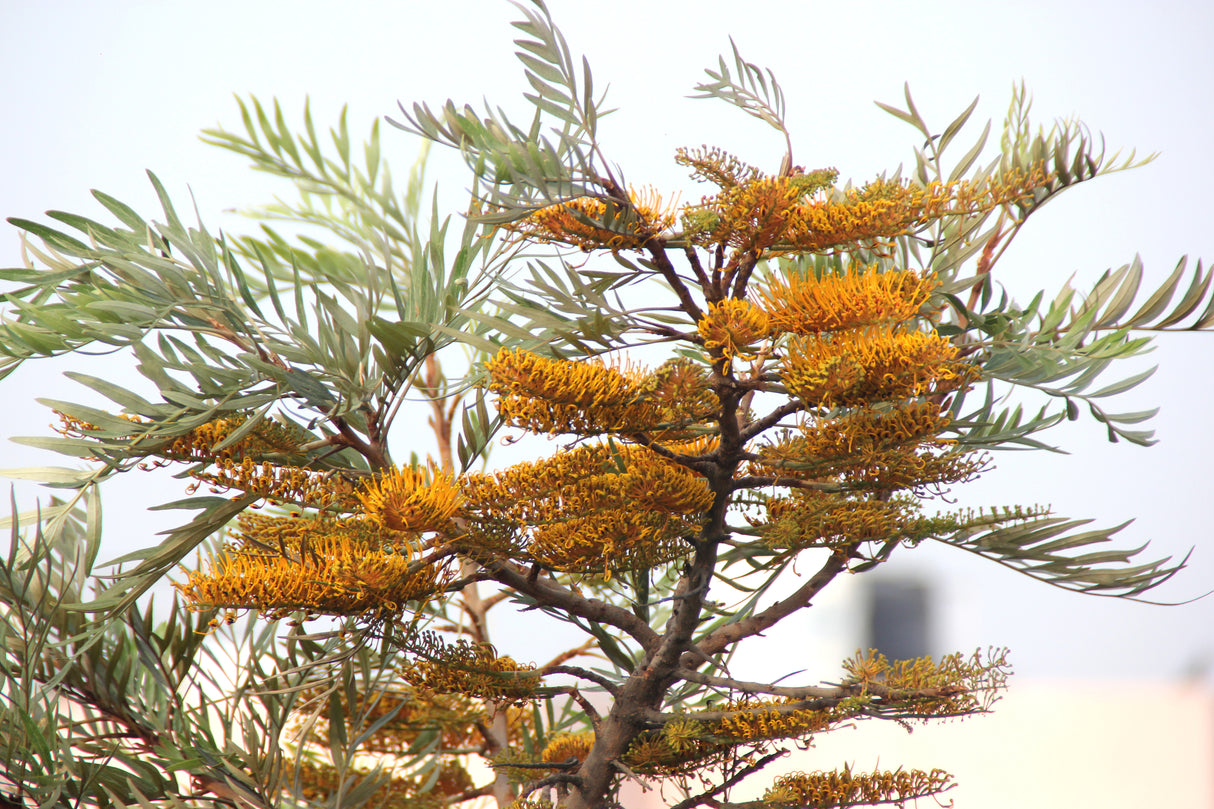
(95,93)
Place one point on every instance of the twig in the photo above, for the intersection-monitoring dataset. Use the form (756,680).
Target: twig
(703,797)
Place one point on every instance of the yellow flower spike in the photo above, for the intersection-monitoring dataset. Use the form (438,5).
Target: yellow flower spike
(291,484)
(730,327)
(595,224)
(555,396)
(334,573)
(750,216)
(861,297)
(410,500)
(871,365)
(564,746)
(764,215)
(268,437)
(814,519)
(953,685)
(591,398)
(885,209)
(610,541)
(655,484)
(681,392)
(591,510)
(471,669)
(292,536)
(845,788)
(758,720)
(715,165)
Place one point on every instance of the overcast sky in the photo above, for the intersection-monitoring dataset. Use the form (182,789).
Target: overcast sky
(95,93)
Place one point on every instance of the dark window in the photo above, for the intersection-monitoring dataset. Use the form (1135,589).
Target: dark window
(899,619)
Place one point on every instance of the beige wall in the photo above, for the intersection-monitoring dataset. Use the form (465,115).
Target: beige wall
(1048,745)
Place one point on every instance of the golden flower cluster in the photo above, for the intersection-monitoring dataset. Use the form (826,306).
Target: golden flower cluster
(329,568)
(908,424)
(253,462)
(751,720)
(875,213)
(293,535)
(863,296)
(955,684)
(680,391)
(267,438)
(280,484)
(585,480)
(888,449)
(716,166)
(919,688)
(403,714)
(319,782)
(750,216)
(564,746)
(592,223)
(590,398)
(864,366)
(764,215)
(592,510)
(671,754)
(412,500)
(730,327)
(561,396)
(823,443)
(845,788)
(611,541)
(473,669)
(812,519)
(685,745)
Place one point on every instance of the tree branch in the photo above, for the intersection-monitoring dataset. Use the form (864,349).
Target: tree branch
(550,594)
(763,481)
(730,634)
(693,259)
(745,772)
(662,261)
(374,454)
(771,419)
(578,671)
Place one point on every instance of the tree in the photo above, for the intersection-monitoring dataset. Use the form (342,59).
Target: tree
(832,359)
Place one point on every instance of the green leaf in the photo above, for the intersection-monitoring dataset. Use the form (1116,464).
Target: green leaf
(49,474)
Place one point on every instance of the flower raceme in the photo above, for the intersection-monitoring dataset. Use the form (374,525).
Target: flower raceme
(879,364)
(317,565)
(411,500)
(763,215)
(730,329)
(592,223)
(845,788)
(591,510)
(543,394)
(860,297)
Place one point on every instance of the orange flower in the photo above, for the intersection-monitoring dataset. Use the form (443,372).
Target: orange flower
(861,297)
(731,327)
(593,223)
(410,500)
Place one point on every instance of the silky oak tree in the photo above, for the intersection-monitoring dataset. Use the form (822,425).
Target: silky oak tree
(830,360)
